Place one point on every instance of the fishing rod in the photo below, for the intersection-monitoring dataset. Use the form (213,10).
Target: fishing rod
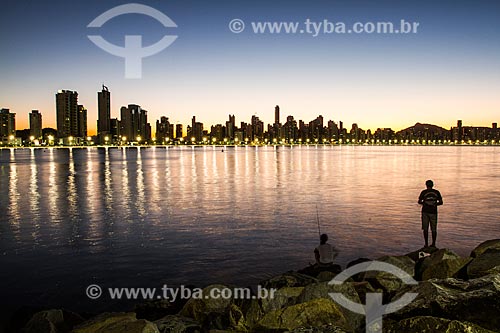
(317,218)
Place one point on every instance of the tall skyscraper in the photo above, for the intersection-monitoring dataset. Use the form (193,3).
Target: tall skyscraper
(67,113)
(104,113)
(230,127)
(36,124)
(277,114)
(81,130)
(164,130)
(178,131)
(7,123)
(134,123)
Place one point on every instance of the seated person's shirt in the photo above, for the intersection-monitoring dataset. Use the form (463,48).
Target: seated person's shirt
(326,253)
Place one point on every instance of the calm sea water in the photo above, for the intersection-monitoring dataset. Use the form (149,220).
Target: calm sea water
(149,216)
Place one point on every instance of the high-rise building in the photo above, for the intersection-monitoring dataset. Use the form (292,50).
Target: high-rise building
(7,123)
(460,130)
(67,114)
(277,114)
(36,124)
(104,113)
(134,123)
(115,130)
(164,130)
(230,127)
(196,130)
(81,130)
(178,131)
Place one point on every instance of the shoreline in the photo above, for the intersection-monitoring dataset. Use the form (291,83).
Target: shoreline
(454,294)
(180,146)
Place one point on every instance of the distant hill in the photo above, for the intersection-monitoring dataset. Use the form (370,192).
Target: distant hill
(423,131)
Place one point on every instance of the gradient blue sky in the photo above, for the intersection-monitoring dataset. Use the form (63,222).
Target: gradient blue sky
(450,70)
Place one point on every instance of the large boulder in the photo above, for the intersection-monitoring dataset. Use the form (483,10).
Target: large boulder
(310,314)
(432,325)
(415,255)
(177,324)
(476,301)
(283,297)
(52,321)
(290,279)
(486,263)
(322,290)
(481,248)
(157,309)
(116,323)
(319,329)
(388,282)
(214,312)
(441,264)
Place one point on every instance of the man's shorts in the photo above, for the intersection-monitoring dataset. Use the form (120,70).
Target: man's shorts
(431,219)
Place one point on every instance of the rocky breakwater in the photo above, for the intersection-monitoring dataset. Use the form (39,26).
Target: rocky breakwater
(454,294)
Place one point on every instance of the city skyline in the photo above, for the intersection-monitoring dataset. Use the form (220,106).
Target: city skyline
(133,127)
(449,70)
(104,109)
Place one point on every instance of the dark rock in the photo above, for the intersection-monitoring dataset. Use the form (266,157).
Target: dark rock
(441,264)
(364,287)
(357,261)
(177,324)
(415,255)
(315,270)
(315,313)
(321,290)
(319,329)
(486,263)
(53,321)
(283,297)
(481,248)
(116,323)
(432,325)
(326,276)
(214,313)
(476,301)
(361,276)
(388,282)
(156,309)
(20,318)
(290,279)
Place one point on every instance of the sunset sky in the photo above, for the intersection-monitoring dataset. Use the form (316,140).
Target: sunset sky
(450,70)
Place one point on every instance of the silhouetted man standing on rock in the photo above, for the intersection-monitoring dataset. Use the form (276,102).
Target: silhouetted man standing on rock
(430,199)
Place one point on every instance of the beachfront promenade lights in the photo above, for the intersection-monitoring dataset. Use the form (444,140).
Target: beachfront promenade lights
(214,140)
(205,140)
(193,139)
(236,140)
(307,140)
(139,139)
(274,140)
(32,138)
(106,139)
(225,140)
(124,138)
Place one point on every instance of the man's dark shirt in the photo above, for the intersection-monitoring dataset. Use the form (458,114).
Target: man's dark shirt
(430,199)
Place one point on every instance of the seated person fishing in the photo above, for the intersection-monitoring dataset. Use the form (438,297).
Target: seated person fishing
(325,253)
